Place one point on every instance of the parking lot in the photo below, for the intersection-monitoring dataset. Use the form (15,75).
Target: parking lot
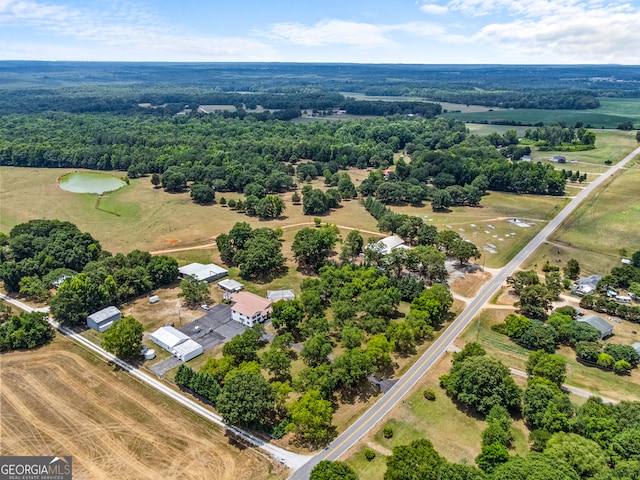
(214,328)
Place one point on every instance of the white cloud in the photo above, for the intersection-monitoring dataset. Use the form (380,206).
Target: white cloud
(433,9)
(357,34)
(136,33)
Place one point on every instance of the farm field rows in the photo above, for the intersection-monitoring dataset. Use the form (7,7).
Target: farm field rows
(60,399)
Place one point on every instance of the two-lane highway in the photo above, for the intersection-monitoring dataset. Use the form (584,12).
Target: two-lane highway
(383,406)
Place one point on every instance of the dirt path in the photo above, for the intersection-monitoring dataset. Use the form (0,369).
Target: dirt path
(206,246)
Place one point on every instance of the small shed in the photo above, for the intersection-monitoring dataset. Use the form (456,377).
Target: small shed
(103,319)
(154,299)
(275,295)
(230,285)
(605,328)
(636,347)
(176,343)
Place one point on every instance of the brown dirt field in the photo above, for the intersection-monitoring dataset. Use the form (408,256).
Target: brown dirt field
(470,284)
(60,400)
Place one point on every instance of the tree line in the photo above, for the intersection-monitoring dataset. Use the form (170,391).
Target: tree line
(41,255)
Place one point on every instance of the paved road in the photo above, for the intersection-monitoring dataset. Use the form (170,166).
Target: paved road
(382,407)
(292,460)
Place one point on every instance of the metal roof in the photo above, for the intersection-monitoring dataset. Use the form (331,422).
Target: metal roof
(275,295)
(168,336)
(104,314)
(202,272)
(597,322)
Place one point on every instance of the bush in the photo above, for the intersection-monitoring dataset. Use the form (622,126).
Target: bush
(369,454)
(387,432)
(429,395)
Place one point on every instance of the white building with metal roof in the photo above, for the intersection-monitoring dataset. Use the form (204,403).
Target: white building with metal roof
(208,273)
(102,320)
(176,343)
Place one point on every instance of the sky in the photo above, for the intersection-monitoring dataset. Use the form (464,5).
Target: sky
(351,31)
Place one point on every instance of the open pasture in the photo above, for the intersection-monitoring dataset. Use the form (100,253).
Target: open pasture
(612,112)
(60,400)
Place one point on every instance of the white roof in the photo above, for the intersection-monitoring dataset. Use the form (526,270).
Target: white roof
(275,295)
(230,284)
(202,272)
(389,243)
(169,336)
(186,347)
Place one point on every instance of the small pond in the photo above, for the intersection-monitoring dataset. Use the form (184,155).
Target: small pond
(88,182)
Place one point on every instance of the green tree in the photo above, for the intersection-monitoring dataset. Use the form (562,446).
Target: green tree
(492,456)
(27,330)
(156,180)
(516,325)
(295,198)
(379,348)
(287,315)
(261,255)
(202,193)
(195,292)
(174,180)
(482,382)
(417,460)
(312,246)
(277,362)
(242,348)
(401,336)
(626,445)
(522,279)
(534,301)
(550,366)
(583,455)
(328,470)
(246,399)
(352,246)
(315,203)
(124,338)
(33,288)
(352,368)
(311,418)
(440,200)
(270,206)
(463,250)
(351,336)
(539,393)
(572,270)
(316,350)
(534,466)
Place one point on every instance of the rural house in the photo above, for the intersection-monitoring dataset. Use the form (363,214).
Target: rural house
(102,320)
(249,308)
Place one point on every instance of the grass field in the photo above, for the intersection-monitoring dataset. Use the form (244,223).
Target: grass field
(60,400)
(612,112)
(606,222)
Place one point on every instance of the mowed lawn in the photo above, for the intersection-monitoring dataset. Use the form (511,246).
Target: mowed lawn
(59,399)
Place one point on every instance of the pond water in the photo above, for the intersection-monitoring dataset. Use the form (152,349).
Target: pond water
(87,182)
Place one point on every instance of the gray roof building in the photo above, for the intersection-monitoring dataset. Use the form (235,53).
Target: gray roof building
(600,323)
(102,320)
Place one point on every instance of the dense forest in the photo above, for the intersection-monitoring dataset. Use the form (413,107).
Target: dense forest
(82,87)
(231,153)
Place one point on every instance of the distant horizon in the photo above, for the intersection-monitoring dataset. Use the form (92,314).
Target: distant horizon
(402,32)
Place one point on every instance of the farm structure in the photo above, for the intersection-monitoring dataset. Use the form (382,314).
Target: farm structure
(208,273)
(387,244)
(250,308)
(275,295)
(598,322)
(176,343)
(102,320)
(230,285)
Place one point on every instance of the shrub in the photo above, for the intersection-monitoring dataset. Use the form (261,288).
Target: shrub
(429,395)
(369,454)
(387,432)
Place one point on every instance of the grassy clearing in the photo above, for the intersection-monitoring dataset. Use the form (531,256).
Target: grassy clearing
(611,113)
(139,216)
(112,425)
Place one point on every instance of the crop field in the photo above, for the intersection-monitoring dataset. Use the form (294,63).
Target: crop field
(612,112)
(60,400)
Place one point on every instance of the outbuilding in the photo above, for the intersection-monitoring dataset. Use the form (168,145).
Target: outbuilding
(605,328)
(231,286)
(102,320)
(199,271)
(275,295)
(176,343)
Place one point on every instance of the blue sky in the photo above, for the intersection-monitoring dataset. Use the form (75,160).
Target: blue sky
(361,31)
